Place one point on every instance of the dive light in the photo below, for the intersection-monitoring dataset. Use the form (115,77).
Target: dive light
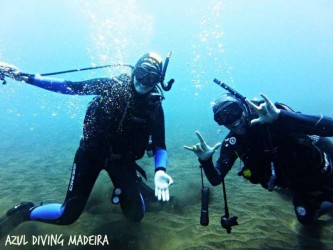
(204,218)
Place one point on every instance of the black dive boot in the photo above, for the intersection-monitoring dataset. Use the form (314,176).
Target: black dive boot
(15,216)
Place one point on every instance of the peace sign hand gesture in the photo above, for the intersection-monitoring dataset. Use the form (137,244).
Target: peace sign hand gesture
(202,149)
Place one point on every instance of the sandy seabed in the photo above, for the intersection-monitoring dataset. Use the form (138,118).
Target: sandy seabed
(40,173)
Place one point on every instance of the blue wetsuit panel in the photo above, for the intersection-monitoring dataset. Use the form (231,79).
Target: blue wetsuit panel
(161,158)
(47,212)
(52,84)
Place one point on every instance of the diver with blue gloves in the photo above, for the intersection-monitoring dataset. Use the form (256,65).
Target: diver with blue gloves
(124,120)
(278,148)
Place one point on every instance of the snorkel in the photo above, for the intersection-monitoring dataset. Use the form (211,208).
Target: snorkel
(240,97)
(166,86)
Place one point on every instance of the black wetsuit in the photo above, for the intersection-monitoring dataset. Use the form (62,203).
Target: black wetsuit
(303,163)
(117,126)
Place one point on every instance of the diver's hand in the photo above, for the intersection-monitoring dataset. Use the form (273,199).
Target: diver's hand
(162,182)
(202,149)
(8,68)
(267,111)
(11,71)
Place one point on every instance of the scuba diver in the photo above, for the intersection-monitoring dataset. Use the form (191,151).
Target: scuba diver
(279,148)
(124,120)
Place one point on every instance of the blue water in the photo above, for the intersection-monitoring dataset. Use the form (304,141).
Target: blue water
(277,47)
